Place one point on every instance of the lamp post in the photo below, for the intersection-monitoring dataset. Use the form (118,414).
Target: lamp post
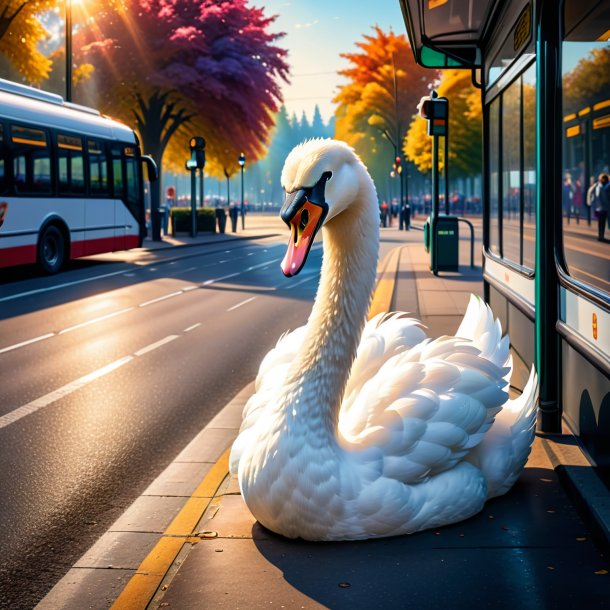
(242,161)
(68,50)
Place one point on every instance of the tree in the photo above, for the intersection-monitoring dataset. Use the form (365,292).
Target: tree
(165,65)
(385,85)
(588,82)
(20,34)
(465,127)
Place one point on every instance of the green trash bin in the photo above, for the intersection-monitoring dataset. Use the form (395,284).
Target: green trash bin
(447,243)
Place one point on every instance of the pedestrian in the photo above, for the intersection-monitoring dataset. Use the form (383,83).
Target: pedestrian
(577,199)
(599,194)
(590,198)
(384,214)
(568,196)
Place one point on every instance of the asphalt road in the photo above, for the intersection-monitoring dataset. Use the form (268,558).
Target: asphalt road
(108,370)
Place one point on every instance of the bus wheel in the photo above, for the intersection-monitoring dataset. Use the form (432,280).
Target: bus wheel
(51,249)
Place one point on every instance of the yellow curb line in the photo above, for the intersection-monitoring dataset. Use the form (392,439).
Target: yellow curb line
(382,299)
(143,585)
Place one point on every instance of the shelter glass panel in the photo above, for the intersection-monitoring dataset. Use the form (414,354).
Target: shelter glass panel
(494,176)
(585,189)
(529,167)
(511,172)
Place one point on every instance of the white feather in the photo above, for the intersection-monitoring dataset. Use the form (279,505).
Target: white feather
(360,431)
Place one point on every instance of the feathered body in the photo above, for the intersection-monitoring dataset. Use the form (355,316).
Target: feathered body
(361,431)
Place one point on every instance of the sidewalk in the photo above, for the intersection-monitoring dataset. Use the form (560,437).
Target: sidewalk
(189,542)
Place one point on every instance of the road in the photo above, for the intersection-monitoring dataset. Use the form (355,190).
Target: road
(108,370)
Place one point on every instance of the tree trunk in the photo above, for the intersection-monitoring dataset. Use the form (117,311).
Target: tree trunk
(157,122)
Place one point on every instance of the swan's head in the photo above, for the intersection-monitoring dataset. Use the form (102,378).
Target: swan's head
(321,179)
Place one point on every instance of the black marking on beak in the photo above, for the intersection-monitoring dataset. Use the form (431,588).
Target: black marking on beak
(296,199)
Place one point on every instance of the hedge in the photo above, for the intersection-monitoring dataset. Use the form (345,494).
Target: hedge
(181,220)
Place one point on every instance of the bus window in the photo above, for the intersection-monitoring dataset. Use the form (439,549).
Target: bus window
(98,168)
(71,170)
(511,172)
(529,167)
(133,181)
(2,162)
(31,160)
(117,173)
(494,176)
(585,189)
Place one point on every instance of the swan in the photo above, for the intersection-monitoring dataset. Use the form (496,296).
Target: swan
(369,429)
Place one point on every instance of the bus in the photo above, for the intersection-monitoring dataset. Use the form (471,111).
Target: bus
(543,69)
(71,180)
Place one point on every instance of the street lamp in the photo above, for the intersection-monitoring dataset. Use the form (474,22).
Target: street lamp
(68,50)
(242,161)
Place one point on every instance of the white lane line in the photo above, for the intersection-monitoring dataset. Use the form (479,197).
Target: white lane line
(189,288)
(218,279)
(94,320)
(226,260)
(12,297)
(152,346)
(24,343)
(69,388)
(240,304)
(159,299)
(295,284)
(190,328)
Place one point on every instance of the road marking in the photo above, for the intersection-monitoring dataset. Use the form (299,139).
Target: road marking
(218,279)
(69,388)
(240,304)
(295,284)
(12,297)
(153,346)
(226,260)
(24,343)
(190,328)
(159,299)
(94,320)
(189,288)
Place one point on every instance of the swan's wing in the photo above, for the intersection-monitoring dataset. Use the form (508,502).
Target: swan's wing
(424,409)
(269,379)
(383,337)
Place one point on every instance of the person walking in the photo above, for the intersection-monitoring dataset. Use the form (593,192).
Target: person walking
(599,195)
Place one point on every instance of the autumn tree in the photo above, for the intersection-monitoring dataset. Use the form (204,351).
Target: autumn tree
(374,107)
(20,34)
(465,128)
(588,82)
(172,68)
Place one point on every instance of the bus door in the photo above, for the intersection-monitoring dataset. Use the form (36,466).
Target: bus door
(99,206)
(119,188)
(71,189)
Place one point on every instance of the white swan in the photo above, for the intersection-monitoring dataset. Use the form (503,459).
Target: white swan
(356,433)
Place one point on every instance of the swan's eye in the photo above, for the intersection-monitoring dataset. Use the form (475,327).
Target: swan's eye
(304,220)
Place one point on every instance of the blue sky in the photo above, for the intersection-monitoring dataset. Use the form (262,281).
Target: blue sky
(317,32)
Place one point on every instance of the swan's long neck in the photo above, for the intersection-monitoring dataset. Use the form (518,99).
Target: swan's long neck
(319,373)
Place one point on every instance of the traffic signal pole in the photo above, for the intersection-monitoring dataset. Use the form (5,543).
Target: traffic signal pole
(193,202)
(435,202)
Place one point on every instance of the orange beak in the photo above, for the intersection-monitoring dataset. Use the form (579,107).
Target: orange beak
(304,212)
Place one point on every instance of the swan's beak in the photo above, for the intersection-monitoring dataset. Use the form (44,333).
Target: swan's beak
(304,212)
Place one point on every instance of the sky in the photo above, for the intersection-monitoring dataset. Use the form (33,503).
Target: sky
(317,32)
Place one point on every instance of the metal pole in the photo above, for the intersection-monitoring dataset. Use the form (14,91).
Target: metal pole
(243,213)
(193,202)
(201,187)
(228,192)
(433,240)
(68,50)
(407,206)
(447,165)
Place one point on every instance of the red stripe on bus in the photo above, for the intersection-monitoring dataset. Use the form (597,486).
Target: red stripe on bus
(25,255)
(19,255)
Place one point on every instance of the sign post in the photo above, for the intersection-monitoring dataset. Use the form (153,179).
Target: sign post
(196,162)
(436,111)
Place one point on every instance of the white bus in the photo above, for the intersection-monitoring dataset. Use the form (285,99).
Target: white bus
(71,180)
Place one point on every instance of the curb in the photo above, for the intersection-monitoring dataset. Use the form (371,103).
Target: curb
(208,243)
(584,487)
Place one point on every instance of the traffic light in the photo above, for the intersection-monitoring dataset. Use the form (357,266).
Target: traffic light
(398,166)
(197,144)
(436,111)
